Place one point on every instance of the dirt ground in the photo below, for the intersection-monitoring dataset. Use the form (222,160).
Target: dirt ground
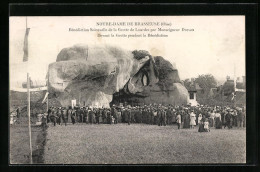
(142,144)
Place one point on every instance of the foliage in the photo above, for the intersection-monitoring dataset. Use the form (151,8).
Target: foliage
(139,54)
(228,88)
(206,82)
(187,83)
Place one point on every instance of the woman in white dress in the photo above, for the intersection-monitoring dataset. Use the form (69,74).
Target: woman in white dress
(192,120)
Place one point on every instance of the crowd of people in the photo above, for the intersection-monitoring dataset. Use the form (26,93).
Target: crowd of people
(205,117)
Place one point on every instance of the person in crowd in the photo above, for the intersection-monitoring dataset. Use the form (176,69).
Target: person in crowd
(218,124)
(201,124)
(64,115)
(81,114)
(169,115)
(115,116)
(178,120)
(128,113)
(132,114)
(78,114)
(186,119)
(164,117)
(211,118)
(49,114)
(239,118)
(223,117)
(199,118)
(97,116)
(228,119)
(160,118)
(85,114)
(243,117)
(104,116)
(192,119)
(91,116)
(155,118)
(53,116)
(119,115)
(234,118)
(58,112)
(109,117)
(151,114)
(206,125)
(123,115)
(73,116)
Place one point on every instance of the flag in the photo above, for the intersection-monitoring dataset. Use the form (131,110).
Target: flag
(25,47)
(45,97)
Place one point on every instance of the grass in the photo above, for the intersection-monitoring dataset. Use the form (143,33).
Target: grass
(19,143)
(142,144)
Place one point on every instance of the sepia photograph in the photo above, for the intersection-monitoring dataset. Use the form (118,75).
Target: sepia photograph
(127,90)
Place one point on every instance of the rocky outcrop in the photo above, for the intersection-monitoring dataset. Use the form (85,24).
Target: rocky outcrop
(94,75)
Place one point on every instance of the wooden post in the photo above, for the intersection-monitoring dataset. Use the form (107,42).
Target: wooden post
(47,101)
(29,116)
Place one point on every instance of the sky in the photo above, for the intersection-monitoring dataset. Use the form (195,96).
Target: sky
(216,46)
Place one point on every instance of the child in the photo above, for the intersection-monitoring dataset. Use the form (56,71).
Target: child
(206,125)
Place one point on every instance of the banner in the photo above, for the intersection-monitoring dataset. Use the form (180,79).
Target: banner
(73,103)
(25,47)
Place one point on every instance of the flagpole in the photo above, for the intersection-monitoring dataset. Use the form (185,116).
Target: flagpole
(28,93)
(47,102)
(29,116)
(235,84)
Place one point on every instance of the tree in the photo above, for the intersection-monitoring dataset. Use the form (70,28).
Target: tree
(206,82)
(187,83)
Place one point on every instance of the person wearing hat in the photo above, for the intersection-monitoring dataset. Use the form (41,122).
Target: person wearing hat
(109,117)
(91,115)
(228,119)
(58,112)
(128,114)
(81,114)
(97,115)
(104,116)
(169,115)
(78,114)
(114,114)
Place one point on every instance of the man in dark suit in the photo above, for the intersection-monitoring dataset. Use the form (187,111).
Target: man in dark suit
(109,117)
(159,116)
(128,114)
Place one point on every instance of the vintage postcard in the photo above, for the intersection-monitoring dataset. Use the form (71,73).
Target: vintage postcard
(127,90)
